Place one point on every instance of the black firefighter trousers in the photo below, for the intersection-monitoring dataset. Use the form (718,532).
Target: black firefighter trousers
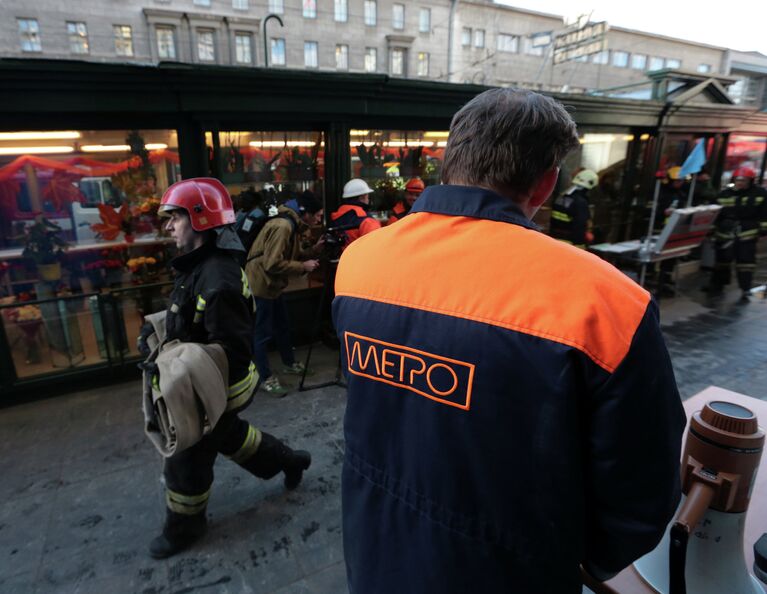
(189,474)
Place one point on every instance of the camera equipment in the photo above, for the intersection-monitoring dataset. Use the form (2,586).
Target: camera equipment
(335,240)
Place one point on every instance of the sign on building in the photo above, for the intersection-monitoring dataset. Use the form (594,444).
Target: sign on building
(583,41)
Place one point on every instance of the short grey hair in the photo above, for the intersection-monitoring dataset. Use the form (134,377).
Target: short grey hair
(506,139)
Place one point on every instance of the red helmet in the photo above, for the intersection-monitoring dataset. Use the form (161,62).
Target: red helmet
(415,186)
(204,198)
(744,172)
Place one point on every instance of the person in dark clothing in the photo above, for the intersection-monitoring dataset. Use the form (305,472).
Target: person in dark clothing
(499,382)
(673,195)
(570,214)
(211,303)
(274,258)
(740,223)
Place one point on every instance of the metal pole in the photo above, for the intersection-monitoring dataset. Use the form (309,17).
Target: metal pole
(450,40)
(646,247)
(263,34)
(692,190)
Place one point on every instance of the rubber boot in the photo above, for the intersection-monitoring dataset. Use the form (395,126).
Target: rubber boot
(273,457)
(179,533)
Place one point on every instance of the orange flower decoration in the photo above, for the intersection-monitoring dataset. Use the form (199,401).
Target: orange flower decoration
(112,221)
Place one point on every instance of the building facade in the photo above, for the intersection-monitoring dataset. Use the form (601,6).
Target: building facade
(461,41)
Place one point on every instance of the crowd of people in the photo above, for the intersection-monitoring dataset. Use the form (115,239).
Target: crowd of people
(492,420)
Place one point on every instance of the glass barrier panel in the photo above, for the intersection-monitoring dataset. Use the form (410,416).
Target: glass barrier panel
(388,159)
(744,151)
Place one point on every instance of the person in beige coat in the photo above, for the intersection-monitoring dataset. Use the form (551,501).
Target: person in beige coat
(273,259)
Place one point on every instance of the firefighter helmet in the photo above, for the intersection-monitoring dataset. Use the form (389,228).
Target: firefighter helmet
(204,198)
(415,186)
(356,187)
(673,172)
(744,172)
(586,178)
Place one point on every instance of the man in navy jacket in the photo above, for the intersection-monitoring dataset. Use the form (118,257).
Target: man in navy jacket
(512,410)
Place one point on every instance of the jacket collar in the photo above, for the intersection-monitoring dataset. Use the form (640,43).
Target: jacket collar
(353,202)
(189,261)
(470,201)
(288,211)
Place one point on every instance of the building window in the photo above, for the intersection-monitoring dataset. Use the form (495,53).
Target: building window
(311,54)
(620,59)
(278,52)
(240,4)
(77,33)
(342,57)
(479,38)
(704,68)
(310,9)
(371,59)
(243,48)
(423,64)
(276,6)
(166,43)
(123,40)
(656,63)
(673,63)
(206,46)
(602,57)
(424,20)
(30,35)
(397,62)
(370,13)
(638,61)
(535,44)
(466,36)
(507,43)
(202,2)
(398,16)
(341,10)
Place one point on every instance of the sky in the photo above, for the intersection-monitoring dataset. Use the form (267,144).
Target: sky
(741,25)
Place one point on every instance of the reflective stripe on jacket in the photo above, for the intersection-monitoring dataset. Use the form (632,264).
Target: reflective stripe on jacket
(743,215)
(512,409)
(211,302)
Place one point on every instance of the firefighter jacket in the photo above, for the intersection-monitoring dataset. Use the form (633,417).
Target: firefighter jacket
(275,255)
(743,215)
(354,216)
(211,303)
(570,217)
(512,409)
(401,209)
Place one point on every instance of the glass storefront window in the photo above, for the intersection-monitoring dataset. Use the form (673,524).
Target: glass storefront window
(744,151)
(605,153)
(82,256)
(387,159)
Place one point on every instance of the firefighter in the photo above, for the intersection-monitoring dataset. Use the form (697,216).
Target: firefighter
(211,302)
(742,219)
(413,189)
(353,213)
(498,382)
(570,214)
(672,195)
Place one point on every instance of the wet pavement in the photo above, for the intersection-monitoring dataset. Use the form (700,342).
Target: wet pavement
(81,495)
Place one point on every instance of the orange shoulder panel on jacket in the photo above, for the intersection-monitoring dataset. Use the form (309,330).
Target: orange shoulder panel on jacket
(500,274)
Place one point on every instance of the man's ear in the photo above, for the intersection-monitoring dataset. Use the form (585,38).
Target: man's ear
(543,188)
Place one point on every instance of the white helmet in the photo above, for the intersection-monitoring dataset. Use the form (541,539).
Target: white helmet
(586,179)
(356,187)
